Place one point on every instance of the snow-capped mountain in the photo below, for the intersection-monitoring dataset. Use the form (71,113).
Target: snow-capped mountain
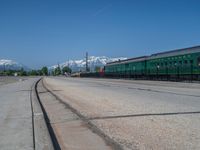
(6,64)
(93,61)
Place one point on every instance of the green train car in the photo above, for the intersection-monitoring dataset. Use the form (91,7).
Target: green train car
(127,68)
(175,64)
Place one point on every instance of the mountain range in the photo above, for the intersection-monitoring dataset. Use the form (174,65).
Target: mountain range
(75,65)
(93,62)
(6,64)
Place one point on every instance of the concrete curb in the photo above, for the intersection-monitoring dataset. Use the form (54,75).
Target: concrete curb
(42,139)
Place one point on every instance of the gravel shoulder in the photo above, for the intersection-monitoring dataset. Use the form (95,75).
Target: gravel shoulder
(131,104)
(9,79)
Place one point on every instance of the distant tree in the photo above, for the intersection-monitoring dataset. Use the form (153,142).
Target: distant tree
(33,73)
(6,72)
(66,69)
(10,72)
(57,71)
(53,72)
(22,72)
(44,71)
(40,72)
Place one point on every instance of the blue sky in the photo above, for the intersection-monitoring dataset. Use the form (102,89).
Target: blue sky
(40,32)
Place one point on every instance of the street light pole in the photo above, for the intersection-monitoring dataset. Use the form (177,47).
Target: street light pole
(86,62)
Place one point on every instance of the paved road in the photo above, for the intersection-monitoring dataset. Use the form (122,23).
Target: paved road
(16,130)
(137,114)
(9,79)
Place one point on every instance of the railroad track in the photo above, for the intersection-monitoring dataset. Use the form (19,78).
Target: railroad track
(51,123)
(50,129)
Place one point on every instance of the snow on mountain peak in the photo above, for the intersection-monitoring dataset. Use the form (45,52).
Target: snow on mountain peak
(11,65)
(7,62)
(93,61)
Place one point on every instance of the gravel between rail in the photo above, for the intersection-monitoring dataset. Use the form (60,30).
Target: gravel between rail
(156,115)
(69,128)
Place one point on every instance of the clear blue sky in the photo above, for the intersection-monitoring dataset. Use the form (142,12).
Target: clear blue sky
(40,32)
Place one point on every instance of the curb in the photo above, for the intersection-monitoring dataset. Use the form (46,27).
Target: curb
(41,136)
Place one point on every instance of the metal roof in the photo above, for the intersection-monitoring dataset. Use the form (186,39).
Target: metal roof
(127,60)
(183,51)
(194,49)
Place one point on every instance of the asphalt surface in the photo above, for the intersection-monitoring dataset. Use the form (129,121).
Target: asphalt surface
(136,114)
(15,114)
(9,79)
(22,125)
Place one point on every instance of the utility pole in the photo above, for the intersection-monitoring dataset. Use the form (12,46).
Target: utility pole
(59,69)
(4,67)
(58,65)
(68,63)
(87,69)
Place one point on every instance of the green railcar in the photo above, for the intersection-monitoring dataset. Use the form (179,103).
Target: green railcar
(178,62)
(181,63)
(129,67)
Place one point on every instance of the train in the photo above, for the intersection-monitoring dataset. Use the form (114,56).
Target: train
(180,64)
